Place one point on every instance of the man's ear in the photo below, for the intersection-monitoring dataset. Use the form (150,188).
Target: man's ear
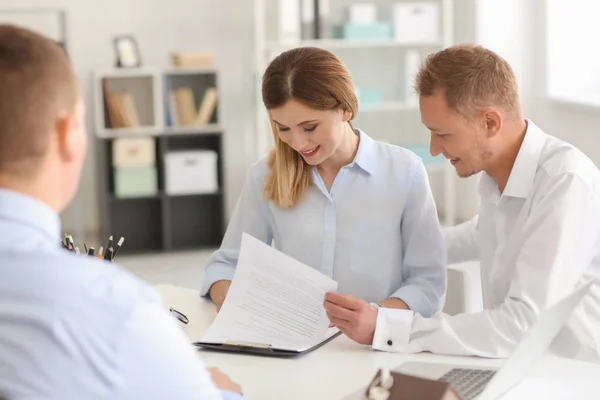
(65,136)
(493,122)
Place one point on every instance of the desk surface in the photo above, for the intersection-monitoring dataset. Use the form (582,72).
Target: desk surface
(342,367)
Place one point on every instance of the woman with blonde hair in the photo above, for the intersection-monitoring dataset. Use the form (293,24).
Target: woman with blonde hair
(357,210)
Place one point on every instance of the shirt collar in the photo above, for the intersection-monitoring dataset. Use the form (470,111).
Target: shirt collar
(522,175)
(366,155)
(29,211)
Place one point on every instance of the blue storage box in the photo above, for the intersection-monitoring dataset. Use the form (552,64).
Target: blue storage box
(369,95)
(377,30)
(425,155)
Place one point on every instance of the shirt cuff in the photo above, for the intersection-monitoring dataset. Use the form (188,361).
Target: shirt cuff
(392,332)
(215,273)
(227,395)
(416,299)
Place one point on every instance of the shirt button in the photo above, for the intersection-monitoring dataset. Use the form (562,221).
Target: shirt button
(389,342)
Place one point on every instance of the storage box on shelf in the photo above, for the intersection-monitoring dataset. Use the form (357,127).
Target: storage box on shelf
(157,203)
(191,172)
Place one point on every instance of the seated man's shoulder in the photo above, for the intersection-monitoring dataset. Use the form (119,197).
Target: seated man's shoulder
(561,158)
(75,310)
(71,282)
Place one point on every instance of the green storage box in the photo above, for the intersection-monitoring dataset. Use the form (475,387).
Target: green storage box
(135,181)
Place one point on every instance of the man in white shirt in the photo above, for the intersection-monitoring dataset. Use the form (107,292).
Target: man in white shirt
(537,233)
(71,327)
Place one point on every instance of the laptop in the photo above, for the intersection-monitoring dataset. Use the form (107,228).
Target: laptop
(490,384)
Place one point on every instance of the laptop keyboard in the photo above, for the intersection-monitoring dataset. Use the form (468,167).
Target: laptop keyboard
(468,382)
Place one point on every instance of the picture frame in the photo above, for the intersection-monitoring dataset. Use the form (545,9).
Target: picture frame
(127,52)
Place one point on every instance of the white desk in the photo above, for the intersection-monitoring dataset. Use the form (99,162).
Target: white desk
(342,367)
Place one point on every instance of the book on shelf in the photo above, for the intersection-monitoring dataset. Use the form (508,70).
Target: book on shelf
(182,107)
(122,111)
(207,107)
(192,60)
(185,106)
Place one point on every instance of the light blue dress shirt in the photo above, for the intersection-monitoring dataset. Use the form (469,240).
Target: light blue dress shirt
(73,327)
(376,232)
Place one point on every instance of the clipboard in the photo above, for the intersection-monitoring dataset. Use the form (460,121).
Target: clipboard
(261,349)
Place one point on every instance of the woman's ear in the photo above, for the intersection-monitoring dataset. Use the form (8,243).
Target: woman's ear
(347,115)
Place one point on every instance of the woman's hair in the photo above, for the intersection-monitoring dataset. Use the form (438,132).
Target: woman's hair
(318,79)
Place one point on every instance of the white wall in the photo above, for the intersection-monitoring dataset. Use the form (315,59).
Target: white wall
(517,29)
(514,28)
(162,27)
(576,124)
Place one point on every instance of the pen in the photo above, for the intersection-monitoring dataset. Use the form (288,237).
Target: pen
(110,242)
(100,252)
(86,248)
(119,244)
(77,250)
(108,254)
(70,243)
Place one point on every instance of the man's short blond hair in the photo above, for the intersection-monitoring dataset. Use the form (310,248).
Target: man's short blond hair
(472,78)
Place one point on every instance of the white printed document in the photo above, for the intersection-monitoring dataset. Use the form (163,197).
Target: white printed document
(274,300)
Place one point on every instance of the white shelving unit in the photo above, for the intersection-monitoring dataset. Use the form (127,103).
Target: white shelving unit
(267,47)
(333,44)
(159,220)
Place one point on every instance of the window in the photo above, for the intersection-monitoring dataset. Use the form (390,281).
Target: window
(573,55)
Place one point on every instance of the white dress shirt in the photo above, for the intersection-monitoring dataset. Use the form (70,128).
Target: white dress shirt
(74,327)
(537,241)
(376,232)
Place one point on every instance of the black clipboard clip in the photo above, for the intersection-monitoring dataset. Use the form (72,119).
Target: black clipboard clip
(260,349)
(248,344)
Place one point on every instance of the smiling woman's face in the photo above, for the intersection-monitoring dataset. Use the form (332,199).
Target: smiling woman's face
(315,134)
